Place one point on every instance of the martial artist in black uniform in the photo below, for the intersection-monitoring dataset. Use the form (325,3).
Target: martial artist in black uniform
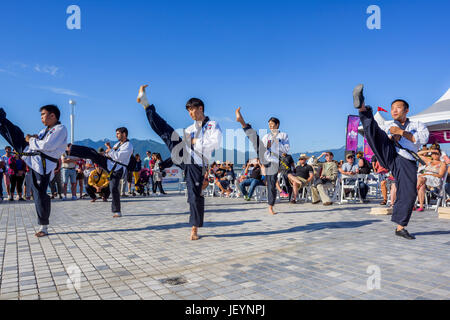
(395,147)
(192,153)
(41,153)
(115,161)
(269,150)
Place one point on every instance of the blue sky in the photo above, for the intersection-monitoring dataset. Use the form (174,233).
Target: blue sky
(296,60)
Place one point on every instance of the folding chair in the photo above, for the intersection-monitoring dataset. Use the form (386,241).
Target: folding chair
(348,184)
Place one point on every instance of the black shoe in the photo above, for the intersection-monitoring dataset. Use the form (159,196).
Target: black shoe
(358,98)
(405,234)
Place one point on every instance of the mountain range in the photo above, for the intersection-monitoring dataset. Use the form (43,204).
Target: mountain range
(142,146)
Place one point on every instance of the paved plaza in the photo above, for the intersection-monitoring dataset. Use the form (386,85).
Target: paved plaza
(305,252)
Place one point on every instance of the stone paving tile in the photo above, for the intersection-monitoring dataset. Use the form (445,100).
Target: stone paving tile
(305,252)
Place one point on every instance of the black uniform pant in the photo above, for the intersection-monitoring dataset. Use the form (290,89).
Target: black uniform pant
(403,170)
(102,161)
(104,192)
(271,168)
(42,200)
(15,137)
(194,173)
(271,188)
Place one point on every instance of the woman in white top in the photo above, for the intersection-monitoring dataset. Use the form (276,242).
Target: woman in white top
(432,173)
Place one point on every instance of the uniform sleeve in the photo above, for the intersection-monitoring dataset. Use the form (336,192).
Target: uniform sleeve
(421,135)
(50,143)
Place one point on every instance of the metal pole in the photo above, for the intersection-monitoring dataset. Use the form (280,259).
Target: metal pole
(72,120)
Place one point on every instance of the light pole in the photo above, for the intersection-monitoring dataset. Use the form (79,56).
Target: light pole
(72,119)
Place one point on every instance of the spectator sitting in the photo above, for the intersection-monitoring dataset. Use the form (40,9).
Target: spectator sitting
(302,176)
(328,174)
(431,175)
(382,173)
(363,164)
(255,179)
(351,169)
(287,165)
(98,183)
(224,177)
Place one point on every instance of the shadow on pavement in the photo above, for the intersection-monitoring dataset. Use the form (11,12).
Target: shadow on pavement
(164,227)
(308,228)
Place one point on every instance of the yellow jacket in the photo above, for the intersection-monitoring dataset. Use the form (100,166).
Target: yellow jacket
(96,180)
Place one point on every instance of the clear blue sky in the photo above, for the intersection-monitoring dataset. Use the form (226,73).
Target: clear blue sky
(296,60)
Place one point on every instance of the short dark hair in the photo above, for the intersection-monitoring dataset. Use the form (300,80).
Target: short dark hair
(122,130)
(330,153)
(275,120)
(8,147)
(196,103)
(51,108)
(402,101)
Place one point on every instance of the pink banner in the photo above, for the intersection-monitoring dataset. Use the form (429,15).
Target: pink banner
(368,153)
(352,133)
(442,136)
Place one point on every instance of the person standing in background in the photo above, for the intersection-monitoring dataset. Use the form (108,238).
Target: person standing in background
(17,174)
(5,159)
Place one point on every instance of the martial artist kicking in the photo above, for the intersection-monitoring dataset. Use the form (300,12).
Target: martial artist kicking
(192,153)
(41,153)
(395,148)
(272,146)
(116,160)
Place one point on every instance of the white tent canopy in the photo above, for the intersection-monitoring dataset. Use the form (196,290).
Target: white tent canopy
(436,117)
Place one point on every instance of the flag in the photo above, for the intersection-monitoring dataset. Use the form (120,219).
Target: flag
(381,109)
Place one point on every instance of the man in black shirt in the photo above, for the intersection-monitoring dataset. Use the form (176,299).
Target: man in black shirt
(254,180)
(303,175)
(286,166)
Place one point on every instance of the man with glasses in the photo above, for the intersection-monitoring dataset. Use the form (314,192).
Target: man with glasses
(329,175)
(395,147)
(302,176)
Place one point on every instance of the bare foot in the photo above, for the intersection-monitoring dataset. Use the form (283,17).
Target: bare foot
(142,97)
(194,235)
(271,211)
(239,117)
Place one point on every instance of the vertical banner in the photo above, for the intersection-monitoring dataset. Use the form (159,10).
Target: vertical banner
(368,153)
(442,136)
(352,133)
